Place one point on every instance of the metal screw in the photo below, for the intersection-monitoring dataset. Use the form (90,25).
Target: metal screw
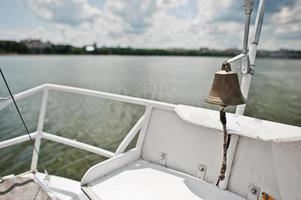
(254,191)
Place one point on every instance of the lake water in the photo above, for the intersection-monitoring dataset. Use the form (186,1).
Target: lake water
(274,95)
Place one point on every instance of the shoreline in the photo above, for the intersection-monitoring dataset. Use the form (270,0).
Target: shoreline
(149,55)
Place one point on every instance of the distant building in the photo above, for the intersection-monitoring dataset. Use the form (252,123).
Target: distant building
(90,48)
(36,44)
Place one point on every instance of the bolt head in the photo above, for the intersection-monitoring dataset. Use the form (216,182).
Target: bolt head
(202,168)
(253,190)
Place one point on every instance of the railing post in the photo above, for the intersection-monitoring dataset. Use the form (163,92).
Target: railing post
(144,127)
(34,161)
(130,136)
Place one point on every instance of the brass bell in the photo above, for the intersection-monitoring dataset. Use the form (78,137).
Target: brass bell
(225,88)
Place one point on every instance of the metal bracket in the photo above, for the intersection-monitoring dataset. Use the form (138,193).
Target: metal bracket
(252,69)
(235,58)
(249,4)
(245,65)
(201,173)
(4,99)
(46,178)
(253,193)
(163,159)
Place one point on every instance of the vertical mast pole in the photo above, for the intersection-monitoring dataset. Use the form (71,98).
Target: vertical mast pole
(247,67)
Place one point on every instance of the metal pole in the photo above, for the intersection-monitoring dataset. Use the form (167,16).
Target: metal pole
(146,120)
(248,64)
(246,79)
(238,57)
(35,156)
(248,11)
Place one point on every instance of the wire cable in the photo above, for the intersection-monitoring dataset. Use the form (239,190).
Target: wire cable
(20,115)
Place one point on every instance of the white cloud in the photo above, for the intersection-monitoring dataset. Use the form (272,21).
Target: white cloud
(71,12)
(283,28)
(149,23)
(288,18)
(135,16)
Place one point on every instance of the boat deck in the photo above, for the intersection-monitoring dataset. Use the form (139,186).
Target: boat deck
(30,186)
(144,180)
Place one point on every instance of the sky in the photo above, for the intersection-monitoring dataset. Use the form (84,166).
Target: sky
(148,23)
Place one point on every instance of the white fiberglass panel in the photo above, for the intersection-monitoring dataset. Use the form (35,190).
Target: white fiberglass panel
(143,180)
(186,145)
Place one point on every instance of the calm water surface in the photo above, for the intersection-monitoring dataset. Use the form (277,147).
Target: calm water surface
(275,95)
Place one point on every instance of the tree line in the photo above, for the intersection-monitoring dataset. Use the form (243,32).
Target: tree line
(38,47)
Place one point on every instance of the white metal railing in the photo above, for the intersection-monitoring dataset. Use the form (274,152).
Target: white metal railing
(140,126)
